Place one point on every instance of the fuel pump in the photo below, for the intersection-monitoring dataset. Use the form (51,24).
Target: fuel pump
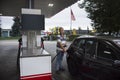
(34,65)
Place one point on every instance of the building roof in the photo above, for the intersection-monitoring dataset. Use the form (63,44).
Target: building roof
(48,7)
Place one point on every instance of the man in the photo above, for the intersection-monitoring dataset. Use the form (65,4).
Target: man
(42,43)
(61,49)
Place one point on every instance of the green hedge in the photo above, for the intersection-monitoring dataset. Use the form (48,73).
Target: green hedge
(9,38)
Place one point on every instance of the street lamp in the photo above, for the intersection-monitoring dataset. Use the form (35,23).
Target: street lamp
(50,5)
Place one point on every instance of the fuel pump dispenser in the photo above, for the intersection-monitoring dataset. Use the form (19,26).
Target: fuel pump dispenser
(34,64)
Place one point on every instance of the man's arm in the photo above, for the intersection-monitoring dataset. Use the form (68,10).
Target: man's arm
(61,46)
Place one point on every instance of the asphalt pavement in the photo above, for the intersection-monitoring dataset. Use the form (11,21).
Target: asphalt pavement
(8,61)
(50,46)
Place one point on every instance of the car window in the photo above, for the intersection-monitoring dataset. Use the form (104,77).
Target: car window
(117,42)
(106,51)
(90,47)
(79,43)
(75,43)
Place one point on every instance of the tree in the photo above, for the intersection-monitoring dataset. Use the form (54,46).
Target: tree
(74,32)
(16,27)
(55,30)
(79,28)
(104,14)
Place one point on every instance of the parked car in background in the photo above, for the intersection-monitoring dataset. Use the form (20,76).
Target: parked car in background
(97,58)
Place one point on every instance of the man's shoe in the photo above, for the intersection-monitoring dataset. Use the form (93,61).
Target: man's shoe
(62,69)
(57,72)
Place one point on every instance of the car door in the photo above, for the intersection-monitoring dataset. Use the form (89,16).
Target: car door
(106,55)
(75,55)
(90,56)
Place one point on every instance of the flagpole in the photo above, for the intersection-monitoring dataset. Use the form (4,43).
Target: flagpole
(87,29)
(70,22)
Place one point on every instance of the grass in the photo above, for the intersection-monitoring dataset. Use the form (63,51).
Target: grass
(9,38)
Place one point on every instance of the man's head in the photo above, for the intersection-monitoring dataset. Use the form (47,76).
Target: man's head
(61,30)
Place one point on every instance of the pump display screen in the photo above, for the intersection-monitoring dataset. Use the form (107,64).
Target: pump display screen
(32,22)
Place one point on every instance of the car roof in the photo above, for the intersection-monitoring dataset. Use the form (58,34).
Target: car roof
(86,36)
(99,37)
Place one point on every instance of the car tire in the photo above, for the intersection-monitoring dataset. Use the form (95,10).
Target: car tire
(72,67)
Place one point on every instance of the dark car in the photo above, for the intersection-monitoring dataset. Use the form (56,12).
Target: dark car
(97,58)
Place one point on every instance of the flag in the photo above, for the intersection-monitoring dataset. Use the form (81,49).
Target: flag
(72,16)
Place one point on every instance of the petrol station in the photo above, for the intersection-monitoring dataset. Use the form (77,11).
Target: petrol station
(33,61)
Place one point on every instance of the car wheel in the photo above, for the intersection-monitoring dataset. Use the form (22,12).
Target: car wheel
(72,67)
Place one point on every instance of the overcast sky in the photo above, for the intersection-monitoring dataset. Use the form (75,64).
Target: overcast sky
(63,19)
(6,22)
